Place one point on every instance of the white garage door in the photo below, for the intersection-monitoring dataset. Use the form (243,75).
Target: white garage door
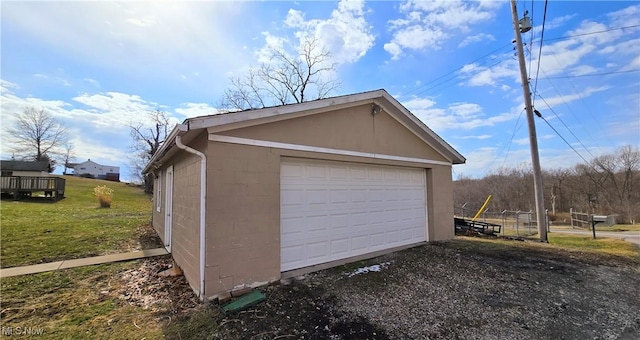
(335,210)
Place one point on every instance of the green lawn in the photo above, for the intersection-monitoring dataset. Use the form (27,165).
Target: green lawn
(601,245)
(619,227)
(75,227)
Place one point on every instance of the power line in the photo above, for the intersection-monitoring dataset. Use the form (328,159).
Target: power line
(559,135)
(516,128)
(565,125)
(591,74)
(574,150)
(455,77)
(588,111)
(544,20)
(456,70)
(596,32)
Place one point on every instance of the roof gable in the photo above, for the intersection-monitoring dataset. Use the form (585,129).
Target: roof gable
(380,98)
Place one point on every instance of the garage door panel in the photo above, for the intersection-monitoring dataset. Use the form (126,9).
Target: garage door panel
(291,225)
(316,197)
(335,210)
(290,197)
(339,196)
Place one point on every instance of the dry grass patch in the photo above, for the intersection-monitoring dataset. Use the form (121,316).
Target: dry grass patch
(117,301)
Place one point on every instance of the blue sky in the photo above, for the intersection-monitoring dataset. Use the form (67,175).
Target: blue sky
(99,66)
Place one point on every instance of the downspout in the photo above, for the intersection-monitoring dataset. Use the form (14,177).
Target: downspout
(203,197)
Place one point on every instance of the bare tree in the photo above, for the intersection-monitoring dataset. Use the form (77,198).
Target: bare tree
(38,136)
(288,78)
(68,156)
(606,185)
(147,139)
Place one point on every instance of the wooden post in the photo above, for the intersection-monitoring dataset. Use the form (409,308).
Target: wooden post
(16,193)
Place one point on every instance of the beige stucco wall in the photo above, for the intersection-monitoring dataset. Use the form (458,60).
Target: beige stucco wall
(352,129)
(243,187)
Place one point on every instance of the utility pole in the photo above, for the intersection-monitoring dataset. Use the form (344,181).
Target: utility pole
(533,140)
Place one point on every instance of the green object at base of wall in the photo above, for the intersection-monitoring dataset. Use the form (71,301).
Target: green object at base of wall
(244,302)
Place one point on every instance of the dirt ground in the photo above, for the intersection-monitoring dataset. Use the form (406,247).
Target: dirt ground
(464,289)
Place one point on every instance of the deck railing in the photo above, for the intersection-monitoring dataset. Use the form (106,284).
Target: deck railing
(20,186)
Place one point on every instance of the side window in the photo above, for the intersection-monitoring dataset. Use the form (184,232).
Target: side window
(158,185)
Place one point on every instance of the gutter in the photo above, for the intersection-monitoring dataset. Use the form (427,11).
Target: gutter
(181,128)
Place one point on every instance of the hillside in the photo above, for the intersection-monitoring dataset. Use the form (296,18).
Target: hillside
(74,227)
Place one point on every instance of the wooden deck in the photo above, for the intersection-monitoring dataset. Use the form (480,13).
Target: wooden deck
(24,186)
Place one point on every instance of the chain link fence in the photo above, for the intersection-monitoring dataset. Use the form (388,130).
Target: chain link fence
(514,223)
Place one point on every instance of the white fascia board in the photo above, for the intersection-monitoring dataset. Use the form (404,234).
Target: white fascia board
(254,115)
(299,147)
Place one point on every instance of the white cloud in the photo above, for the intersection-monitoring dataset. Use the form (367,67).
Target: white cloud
(345,34)
(417,37)
(115,101)
(582,70)
(428,24)
(140,36)
(521,141)
(476,38)
(483,76)
(558,21)
(465,110)
(480,137)
(565,99)
(455,116)
(394,49)
(294,18)
(629,16)
(272,43)
(98,123)
(633,65)
(574,56)
(189,110)
(625,47)
(92,82)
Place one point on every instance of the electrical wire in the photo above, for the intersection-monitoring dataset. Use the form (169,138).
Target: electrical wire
(531,39)
(544,20)
(588,111)
(516,128)
(576,151)
(559,135)
(589,33)
(591,74)
(565,125)
(456,77)
(419,88)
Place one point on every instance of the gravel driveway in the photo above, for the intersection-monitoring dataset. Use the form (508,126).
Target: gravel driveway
(465,288)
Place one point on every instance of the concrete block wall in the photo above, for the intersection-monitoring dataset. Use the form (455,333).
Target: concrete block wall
(185,232)
(243,217)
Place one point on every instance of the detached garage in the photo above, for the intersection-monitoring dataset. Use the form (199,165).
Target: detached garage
(242,199)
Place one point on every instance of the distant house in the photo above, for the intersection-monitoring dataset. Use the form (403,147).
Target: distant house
(24,168)
(95,170)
